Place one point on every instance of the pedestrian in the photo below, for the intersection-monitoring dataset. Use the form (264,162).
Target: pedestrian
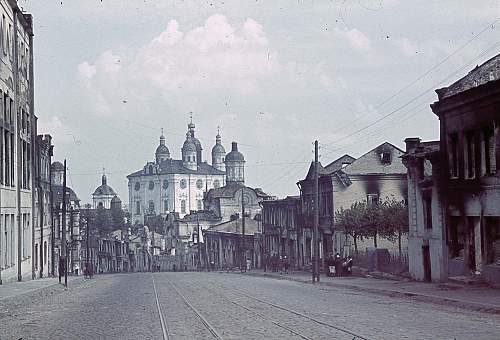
(338,265)
(285,264)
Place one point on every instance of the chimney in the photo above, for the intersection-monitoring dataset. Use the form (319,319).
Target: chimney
(412,143)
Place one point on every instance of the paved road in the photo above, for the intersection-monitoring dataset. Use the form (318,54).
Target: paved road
(230,306)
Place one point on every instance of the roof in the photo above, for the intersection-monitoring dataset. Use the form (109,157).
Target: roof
(227,191)
(57,192)
(202,215)
(175,166)
(488,72)
(235,155)
(424,149)
(370,163)
(252,227)
(57,166)
(339,162)
(104,189)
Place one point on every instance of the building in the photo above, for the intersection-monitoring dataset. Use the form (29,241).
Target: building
(72,220)
(225,245)
(175,185)
(375,176)
(18,133)
(103,194)
(326,209)
(283,230)
(465,192)
(42,261)
(426,234)
(222,204)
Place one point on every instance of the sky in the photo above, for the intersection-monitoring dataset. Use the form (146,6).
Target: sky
(273,75)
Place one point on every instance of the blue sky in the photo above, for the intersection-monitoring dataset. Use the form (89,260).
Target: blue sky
(274,75)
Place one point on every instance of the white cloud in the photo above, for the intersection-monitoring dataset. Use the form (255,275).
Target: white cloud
(355,38)
(215,56)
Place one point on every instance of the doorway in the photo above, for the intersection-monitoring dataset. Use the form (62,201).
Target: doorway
(426,257)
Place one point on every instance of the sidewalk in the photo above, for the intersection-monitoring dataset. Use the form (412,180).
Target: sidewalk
(13,289)
(475,298)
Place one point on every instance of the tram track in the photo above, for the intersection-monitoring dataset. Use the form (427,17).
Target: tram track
(166,332)
(291,311)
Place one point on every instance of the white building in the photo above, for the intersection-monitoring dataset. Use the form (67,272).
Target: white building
(18,132)
(103,195)
(175,185)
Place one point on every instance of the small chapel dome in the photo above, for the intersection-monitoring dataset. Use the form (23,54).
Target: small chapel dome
(234,155)
(218,148)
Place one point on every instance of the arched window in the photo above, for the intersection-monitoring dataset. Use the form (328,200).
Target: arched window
(165,184)
(216,184)
(151,206)
(151,185)
(199,184)
(183,206)
(183,184)
(165,205)
(138,208)
(137,186)
(150,169)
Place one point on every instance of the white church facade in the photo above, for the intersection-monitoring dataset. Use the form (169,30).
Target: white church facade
(175,185)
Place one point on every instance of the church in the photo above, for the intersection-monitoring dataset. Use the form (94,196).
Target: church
(168,185)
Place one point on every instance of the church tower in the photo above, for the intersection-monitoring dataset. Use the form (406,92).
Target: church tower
(189,157)
(162,153)
(196,142)
(235,165)
(218,154)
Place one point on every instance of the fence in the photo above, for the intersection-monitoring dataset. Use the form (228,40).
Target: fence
(382,260)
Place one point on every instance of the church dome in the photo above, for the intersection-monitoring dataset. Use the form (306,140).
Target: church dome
(234,155)
(57,166)
(189,145)
(104,189)
(218,148)
(162,151)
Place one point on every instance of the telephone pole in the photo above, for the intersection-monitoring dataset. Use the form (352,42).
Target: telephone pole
(243,253)
(315,270)
(62,259)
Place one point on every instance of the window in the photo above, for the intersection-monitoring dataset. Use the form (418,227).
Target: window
(165,205)
(183,184)
(371,199)
(489,152)
(216,184)
(165,184)
(137,186)
(427,206)
(183,206)
(453,145)
(471,154)
(385,157)
(151,185)
(151,206)
(199,204)
(137,208)
(199,184)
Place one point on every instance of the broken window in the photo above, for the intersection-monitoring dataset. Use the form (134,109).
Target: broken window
(492,240)
(457,237)
(471,154)
(427,205)
(454,155)
(385,157)
(489,152)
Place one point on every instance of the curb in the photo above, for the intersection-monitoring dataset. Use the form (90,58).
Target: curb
(469,305)
(38,290)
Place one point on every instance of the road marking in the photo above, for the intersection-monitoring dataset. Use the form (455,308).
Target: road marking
(162,322)
(210,328)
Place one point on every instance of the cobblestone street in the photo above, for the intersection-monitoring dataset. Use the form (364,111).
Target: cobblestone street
(229,306)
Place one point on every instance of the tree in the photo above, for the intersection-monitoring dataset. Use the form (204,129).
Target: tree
(117,218)
(394,220)
(102,221)
(351,221)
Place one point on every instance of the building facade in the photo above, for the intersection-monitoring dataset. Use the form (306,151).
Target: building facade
(17,132)
(283,231)
(175,185)
(464,199)
(42,261)
(375,176)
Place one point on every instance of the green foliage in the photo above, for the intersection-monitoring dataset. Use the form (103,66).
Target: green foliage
(387,219)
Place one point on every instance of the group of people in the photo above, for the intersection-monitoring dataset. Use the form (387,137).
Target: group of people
(278,263)
(338,266)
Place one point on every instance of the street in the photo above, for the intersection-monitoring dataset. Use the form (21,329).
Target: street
(230,306)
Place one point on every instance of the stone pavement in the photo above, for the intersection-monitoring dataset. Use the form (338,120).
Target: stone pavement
(475,298)
(15,288)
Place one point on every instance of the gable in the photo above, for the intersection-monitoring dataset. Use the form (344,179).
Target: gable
(373,162)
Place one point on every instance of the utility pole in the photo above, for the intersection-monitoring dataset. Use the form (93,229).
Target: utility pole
(243,253)
(87,229)
(198,240)
(62,259)
(315,270)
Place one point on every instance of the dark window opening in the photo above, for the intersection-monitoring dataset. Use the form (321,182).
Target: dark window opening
(457,238)
(454,155)
(489,152)
(385,157)
(427,203)
(471,154)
